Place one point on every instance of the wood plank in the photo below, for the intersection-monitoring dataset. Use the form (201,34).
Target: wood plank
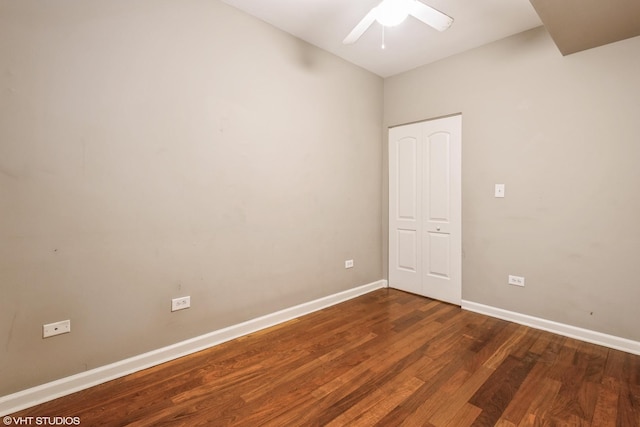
(499,390)
(466,416)
(526,394)
(541,404)
(606,405)
(628,406)
(458,399)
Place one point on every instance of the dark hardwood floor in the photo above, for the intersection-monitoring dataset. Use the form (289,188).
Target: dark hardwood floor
(387,358)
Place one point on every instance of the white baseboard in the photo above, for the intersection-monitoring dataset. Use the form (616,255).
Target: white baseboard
(587,335)
(64,386)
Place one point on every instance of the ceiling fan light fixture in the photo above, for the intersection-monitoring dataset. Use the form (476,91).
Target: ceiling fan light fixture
(392,12)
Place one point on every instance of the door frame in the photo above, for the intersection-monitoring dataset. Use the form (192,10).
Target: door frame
(452,296)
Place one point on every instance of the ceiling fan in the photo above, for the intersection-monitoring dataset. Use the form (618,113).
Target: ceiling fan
(390,13)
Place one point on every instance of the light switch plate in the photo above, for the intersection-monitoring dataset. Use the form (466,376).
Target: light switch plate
(499,190)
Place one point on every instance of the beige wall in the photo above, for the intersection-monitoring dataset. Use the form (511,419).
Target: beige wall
(156,149)
(563,134)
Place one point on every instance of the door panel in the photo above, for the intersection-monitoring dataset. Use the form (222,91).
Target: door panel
(407,250)
(405,256)
(438,255)
(436,188)
(442,199)
(407,178)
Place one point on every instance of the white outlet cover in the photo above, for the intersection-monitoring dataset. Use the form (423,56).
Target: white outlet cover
(516,280)
(348,263)
(57,328)
(180,303)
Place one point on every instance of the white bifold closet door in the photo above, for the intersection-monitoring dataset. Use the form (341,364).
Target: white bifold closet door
(425,221)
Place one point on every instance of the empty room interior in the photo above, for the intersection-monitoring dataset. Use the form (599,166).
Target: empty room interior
(204,207)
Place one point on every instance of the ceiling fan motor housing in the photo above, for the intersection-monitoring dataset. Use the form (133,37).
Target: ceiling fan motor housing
(392,12)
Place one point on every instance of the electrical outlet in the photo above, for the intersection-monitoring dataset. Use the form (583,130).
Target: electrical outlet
(348,263)
(180,303)
(57,328)
(516,280)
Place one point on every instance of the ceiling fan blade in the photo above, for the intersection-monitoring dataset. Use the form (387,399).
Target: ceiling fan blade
(359,29)
(430,16)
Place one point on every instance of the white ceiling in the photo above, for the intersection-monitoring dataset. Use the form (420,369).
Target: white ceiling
(325,23)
